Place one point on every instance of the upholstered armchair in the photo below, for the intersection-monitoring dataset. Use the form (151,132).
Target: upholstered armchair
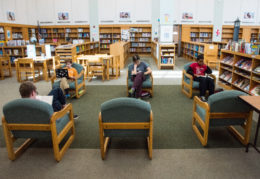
(78,86)
(33,119)
(147,84)
(188,85)
(125,117)
(222,109)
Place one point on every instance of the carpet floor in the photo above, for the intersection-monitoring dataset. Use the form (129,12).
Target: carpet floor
(172,121)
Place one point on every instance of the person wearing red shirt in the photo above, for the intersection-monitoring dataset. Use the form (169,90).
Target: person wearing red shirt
(199,70)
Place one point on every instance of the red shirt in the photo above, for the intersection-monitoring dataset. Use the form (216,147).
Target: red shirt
(197,69)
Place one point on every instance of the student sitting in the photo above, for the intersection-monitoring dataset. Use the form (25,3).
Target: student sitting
(64,83)
(139,71)
(199,70)
(28,90)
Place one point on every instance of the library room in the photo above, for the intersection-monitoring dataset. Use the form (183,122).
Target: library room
(129,89)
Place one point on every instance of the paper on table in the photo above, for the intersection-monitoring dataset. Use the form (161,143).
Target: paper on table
(46,99)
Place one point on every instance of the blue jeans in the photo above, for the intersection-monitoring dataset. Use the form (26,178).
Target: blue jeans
(58,99)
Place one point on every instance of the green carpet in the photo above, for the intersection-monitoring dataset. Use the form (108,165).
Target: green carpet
(172,121)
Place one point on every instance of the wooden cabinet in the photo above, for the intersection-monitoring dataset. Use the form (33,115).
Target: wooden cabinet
(237,71)
(166,55)
(121,49)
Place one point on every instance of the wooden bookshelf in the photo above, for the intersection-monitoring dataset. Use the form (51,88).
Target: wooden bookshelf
(121,49)
(191,50)
(221,45)
(140,38)
(237,71)
(105,37)
(197,33)
(68,52)
(167,56)
(255,34)
(227,33)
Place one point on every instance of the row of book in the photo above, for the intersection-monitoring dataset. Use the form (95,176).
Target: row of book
(167,54)
(83,35)
(1,30)
(140,50)
(228,60)
(243,47)
(17,35)
(257,69)
(244,64)
(227,76)
(104,46)
(105,41)
(136,30)
(244,73)
(2,36)
(166,60)
(17,42)
(138,44)
(242,83)
(105,35)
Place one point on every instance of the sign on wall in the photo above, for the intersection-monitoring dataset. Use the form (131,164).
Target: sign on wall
(10,16)
(166,33)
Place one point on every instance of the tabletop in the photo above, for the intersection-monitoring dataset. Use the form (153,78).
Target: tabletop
(254,101)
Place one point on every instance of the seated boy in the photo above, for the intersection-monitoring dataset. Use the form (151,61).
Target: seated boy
(138,71)
(64,83)
(28,90)
(199,70)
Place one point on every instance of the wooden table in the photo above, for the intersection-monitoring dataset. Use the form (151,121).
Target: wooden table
(38,60)
(254,102)
(85,59)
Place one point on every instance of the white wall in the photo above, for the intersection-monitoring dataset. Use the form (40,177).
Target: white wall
(140,11)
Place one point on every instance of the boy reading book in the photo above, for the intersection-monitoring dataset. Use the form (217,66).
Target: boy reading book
(199,72)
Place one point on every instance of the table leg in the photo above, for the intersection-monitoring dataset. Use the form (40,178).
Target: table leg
(45,75)
(256,135)
(107,69)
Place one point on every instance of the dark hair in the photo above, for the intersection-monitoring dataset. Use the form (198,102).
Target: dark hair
(26,89)
(68,61)
(200,57)
(135,58)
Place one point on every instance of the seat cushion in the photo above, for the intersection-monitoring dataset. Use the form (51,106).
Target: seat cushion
(56,84)
(195,84)
(146,84)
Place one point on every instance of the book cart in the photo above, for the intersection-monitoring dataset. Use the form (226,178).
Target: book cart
(167,55)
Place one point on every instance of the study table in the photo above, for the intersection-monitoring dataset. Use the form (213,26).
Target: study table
(84,60)
(39,60)
(254,102)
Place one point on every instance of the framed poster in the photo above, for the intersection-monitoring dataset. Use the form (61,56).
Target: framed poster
(124,15)
(249,15)
(10,16)
(187,16)
(63,16)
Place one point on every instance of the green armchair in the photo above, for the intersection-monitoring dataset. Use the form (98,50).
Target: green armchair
(188,85)
(147,84)
(78,86)
(222,109)
(125,117)
(32,119)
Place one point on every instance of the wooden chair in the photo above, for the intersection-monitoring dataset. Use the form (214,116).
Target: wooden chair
(97,68)
(188,85)
(125,117)
(34,119)
(222,109)
(147,84)
(25,67)
(5,65)
(115,65)
(77,87)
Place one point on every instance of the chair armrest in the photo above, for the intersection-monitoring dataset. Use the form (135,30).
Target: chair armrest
(61,113)
(187,75)
(202,104)
(214,77)
(151,76)
(79,75)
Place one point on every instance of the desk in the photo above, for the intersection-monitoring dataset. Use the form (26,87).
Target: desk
(254,102)
(85,59)
(37,60)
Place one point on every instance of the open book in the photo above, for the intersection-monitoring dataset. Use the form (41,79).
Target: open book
(46,99)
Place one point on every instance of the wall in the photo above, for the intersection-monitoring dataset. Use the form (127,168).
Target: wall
(141,11)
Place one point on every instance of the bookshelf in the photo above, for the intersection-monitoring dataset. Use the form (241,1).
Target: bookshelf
(197,33)
(105,37)
(167,56)
(255,35)
(17,33)
(238,71)
(227,33)
(221,45)
(67,52)
(140,39)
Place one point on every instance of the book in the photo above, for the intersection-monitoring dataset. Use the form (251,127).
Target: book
(46,99)
(255,90)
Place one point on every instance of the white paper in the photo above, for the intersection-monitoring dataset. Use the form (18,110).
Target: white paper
(166,33)
(31,51)
(46,99)
(48,51)
(211,47)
